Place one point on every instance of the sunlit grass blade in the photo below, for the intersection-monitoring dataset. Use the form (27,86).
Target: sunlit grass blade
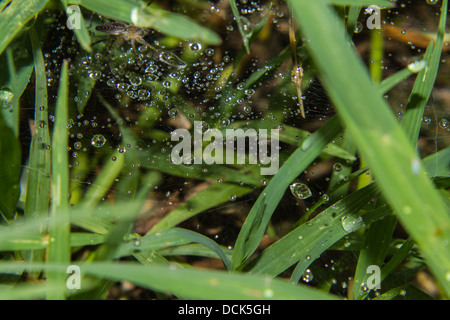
(59,223)
(379,137)
(192,283)
(15,16)
(256,222)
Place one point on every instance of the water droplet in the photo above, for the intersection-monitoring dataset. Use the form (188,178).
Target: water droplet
(432,2)
(98,141)
(77,145)
(402,292)
(300,190)
(352,223)
(6,96)
(232,197)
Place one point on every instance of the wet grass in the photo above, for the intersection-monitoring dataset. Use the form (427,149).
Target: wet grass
(79,200)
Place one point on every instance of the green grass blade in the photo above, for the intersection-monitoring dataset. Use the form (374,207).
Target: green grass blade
(438,164)
(15,16)
(59,223)
(256,222)
(214,195)
(379,138)
(17,78)
(9,170)
(243,28)
(192,283)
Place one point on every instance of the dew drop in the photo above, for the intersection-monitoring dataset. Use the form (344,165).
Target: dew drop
(300,190)
(98,141)
(307,276)
(6,96)
(352,223)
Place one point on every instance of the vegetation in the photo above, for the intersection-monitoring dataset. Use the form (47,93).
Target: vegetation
(88,180)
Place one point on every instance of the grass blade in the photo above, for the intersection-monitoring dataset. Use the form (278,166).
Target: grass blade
(59,224)
(379,138)
(256,222)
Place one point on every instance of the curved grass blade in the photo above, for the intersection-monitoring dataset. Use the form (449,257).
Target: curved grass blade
(256,222)
(192,283)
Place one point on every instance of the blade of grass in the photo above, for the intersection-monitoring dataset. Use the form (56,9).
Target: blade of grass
(59,223)
(169,238)
(243,28)
(38,176)
(82,32)
(379,138)
(15,16)
(256,222)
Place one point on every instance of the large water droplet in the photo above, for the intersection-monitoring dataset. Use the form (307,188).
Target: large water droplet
(352,223)
(98,141)
(300,190)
